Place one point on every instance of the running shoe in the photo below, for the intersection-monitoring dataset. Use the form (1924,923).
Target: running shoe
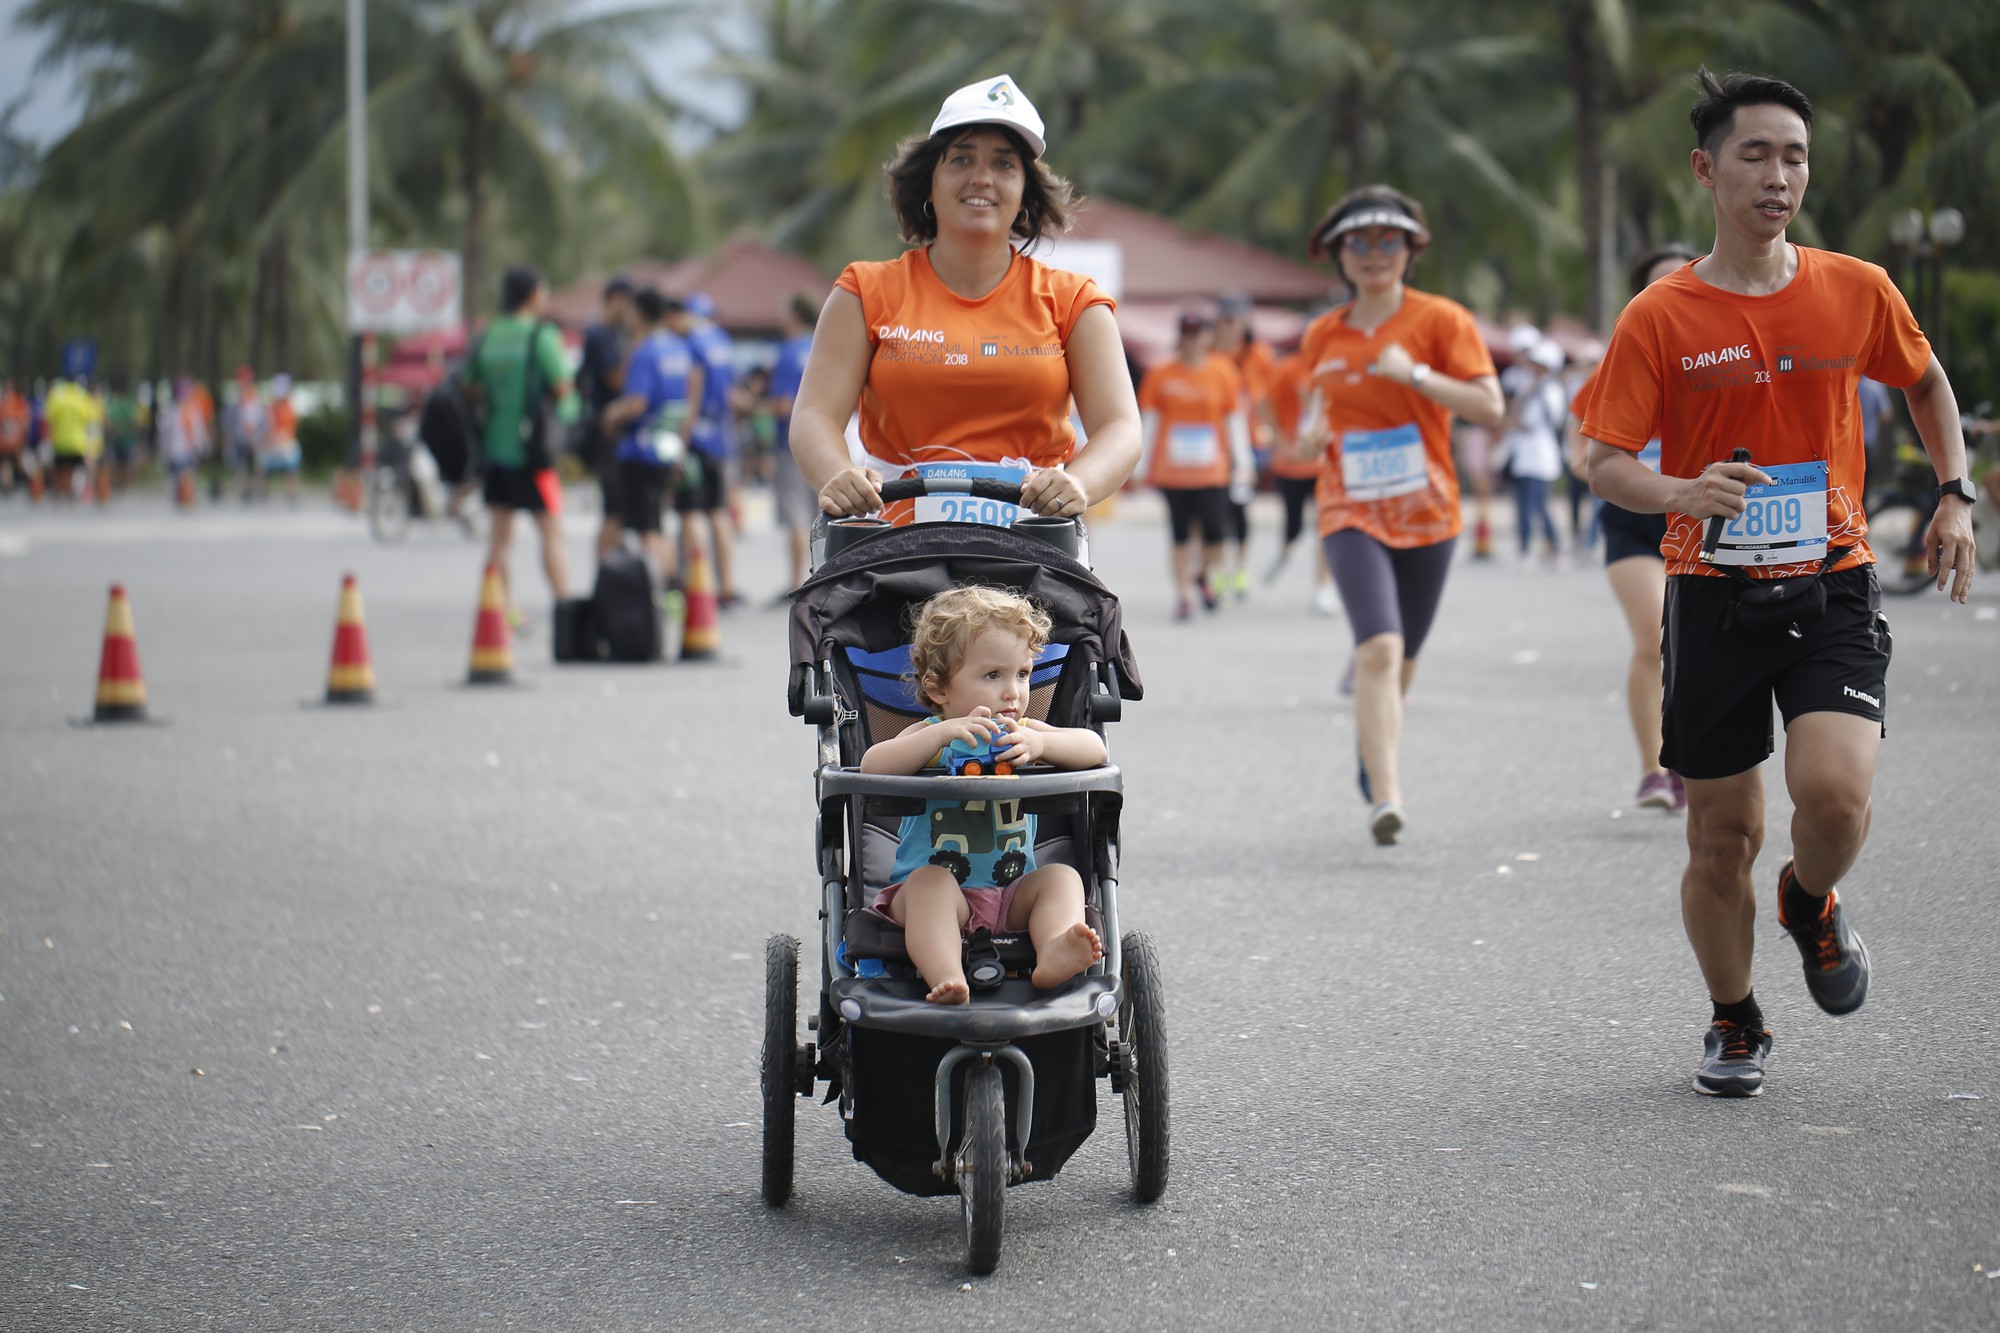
(1732,1060)
(1183,611)
(1325,602)
(1656,791)
(1208,598)
(1836,961)
(1239,583)
(1680,792)
(1385,821)
(730,601)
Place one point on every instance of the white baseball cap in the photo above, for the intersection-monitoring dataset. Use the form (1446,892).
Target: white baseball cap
(1548,354)
(997,101)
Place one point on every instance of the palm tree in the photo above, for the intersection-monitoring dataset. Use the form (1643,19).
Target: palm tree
(525,100)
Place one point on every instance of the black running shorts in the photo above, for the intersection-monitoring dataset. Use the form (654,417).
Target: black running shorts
(640,488)
(1627,534)
(707,495)
(1203,506)
(1721,678)
(518,488)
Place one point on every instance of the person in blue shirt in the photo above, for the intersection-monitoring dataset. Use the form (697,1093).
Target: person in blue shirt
(648,419)
(703,503)
(795,499)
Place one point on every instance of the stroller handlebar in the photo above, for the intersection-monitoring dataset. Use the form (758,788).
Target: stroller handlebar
(982,488)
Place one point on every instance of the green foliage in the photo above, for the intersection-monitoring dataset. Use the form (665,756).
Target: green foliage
(323,439)
(196,217)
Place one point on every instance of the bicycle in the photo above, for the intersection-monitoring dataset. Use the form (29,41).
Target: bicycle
(407,485)
(1901,509)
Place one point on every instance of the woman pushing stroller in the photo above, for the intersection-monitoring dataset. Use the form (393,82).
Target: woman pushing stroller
(966,353)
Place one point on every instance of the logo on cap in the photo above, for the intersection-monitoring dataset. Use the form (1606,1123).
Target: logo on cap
(1000,93)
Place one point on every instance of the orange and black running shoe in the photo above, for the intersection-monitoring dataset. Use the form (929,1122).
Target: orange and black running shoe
(1732,1060)
(1836,961)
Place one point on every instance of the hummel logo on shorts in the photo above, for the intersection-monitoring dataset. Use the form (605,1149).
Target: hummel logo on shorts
(1853,693)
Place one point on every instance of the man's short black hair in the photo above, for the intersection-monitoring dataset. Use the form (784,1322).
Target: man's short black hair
(652,305)
(517,287)
(804,309)
(1714,115)
(618,286)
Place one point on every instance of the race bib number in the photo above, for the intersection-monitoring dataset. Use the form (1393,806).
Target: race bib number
(1382,464)
(1781,524)
(968,508)
(1193,445)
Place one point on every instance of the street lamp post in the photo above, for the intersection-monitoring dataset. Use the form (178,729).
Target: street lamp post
(1927,239)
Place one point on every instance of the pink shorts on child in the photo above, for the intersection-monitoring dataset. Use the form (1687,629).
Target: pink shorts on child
(989,905)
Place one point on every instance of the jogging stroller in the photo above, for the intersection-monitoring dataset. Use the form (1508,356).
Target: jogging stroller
(1001,1091)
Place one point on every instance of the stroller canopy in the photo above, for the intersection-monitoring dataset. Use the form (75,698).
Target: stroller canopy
(861,599)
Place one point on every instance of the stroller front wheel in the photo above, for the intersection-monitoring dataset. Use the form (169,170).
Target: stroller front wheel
(1142,1047)
(780,1064)
(982,1167)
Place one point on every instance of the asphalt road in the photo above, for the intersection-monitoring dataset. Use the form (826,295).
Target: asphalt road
(445,1014)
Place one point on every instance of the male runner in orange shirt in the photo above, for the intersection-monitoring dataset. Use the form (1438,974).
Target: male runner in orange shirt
(1758,346)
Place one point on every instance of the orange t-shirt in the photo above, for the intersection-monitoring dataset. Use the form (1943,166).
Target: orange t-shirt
(1286,392)
(1194,404)
(1387,469)
(1254,361)
(957,380)
(14,419)
(1707,370)
(284,421)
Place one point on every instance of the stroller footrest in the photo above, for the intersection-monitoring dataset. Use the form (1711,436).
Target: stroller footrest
(1015,1009)
(869,934)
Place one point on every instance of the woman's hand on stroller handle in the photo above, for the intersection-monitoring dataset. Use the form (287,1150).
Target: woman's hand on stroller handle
(1054,493)
(851,491)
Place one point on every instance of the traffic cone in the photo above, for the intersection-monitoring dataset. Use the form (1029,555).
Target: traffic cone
(1482,534)
(121,689)
(701,632)
(492,651)
(351,677)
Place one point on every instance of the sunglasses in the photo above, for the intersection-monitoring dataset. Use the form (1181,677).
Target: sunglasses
(1390,244)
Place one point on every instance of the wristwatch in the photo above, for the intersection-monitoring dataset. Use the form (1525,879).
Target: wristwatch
(1959,488)
(1418,374)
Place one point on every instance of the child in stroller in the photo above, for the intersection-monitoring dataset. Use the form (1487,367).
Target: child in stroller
(966,866)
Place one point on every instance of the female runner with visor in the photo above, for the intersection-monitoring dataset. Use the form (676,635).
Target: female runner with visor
(1388,372)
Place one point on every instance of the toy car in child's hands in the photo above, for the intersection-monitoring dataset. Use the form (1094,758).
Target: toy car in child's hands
(973,759)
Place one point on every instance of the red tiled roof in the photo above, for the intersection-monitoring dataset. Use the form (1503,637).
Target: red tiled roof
(748,281)
(1165,263)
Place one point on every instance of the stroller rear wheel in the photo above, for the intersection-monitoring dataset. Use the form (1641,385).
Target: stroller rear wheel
(982,1167)
(1142,1049)
(780,1064)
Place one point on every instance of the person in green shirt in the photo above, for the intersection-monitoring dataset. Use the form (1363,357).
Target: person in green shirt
(515,369)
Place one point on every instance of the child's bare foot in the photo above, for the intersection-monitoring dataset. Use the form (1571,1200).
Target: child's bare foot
(1066,955)
(952,990)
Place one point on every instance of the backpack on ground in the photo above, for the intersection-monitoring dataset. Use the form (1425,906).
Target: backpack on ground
(625,609)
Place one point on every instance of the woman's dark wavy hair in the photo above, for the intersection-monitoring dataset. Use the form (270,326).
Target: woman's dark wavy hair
(1047,200)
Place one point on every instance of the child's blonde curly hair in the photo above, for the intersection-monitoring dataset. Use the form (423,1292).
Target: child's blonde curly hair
(946,625)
